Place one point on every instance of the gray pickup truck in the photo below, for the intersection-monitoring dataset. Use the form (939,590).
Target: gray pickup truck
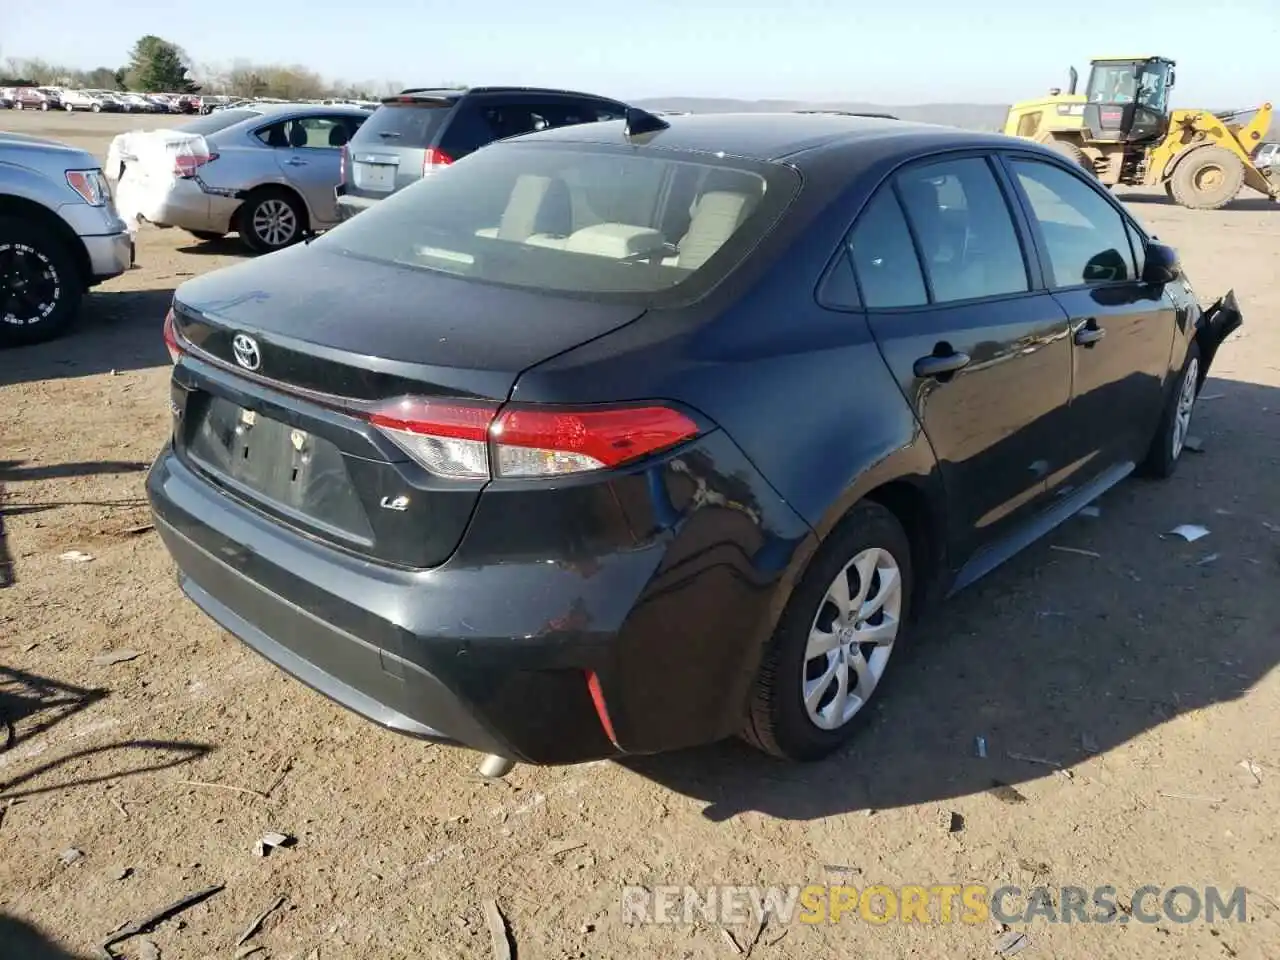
(59,236)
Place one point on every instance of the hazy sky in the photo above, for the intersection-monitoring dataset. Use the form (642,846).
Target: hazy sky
(893,53)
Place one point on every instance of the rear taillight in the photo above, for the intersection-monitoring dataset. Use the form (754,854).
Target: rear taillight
(433,158)
(171,337)
(186,164)
(465,441)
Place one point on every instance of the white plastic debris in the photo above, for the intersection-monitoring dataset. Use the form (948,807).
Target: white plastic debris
(1093,510)
(1190,532)
(76,556)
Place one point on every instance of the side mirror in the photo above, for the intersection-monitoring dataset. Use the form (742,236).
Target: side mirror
(1161,265)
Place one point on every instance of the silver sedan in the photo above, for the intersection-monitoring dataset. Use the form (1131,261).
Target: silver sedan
(264,171)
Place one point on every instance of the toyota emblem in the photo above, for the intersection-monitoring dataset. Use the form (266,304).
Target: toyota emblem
(246,350)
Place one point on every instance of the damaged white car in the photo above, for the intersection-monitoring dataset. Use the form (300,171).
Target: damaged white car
(265,172)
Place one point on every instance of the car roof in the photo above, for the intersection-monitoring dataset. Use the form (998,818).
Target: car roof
(303,109)
(457,93)
(776,136)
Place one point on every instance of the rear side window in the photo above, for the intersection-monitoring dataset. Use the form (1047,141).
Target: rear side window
(884,257)
(965,232)
(576,219)
(1087,240)
(213,122)
(414,125)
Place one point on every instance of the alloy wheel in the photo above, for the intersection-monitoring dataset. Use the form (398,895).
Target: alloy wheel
(852,638)
(1186,406)
(30,288)
(274,222)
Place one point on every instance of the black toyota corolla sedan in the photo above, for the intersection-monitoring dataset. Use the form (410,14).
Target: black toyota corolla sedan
(635,435)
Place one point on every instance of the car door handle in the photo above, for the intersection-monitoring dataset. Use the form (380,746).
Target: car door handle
(295,162)
(936,365)
(1089,333)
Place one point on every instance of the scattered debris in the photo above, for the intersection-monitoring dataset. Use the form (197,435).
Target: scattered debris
(980,747)
(1065,774)
(1194,444)
(70,856)
(1191,796)
(1027,759)
(112,657)
(284,772)
(147,950)
(1093,510)
(256,923)
(956,823)
(499,935)
(1190,532)
(221,786)
(840,868)
(587,928)
(1077,551)
(1254,770)
(759,932)
(730,941)
(140,528)
(560,847)
(1206,560)
(27,648)
(119,873)
(269,841)
(249,950)
(164,913)
(1088,742)
(1007,944)
(1005,793)
(1210,396)
(120,806)
(75,556)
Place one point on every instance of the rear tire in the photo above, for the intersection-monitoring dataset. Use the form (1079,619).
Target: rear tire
(870,553)
(1207,178)
(40,283)
(1170,439)
(271,219)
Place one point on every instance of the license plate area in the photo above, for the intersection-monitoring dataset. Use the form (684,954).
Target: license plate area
(291,471)
(376,175)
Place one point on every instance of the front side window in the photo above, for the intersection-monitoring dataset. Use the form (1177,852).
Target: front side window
(964,231)
(577,220)
(1086,238)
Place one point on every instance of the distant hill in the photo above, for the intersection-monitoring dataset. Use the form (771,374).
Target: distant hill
(968,116)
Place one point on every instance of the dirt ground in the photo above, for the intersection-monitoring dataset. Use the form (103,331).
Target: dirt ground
(1147,672)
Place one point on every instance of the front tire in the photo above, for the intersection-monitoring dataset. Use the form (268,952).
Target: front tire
(834,640)
(271,219)
(1170,439)
(1073,153)
(1207,178)
(40,284)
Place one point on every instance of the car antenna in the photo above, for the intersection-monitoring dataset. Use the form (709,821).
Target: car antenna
(640,122)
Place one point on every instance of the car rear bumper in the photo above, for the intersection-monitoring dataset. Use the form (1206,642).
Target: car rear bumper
(349,206)
(506,657)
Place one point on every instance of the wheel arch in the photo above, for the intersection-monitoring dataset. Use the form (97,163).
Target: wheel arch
(33,212)
(244,196)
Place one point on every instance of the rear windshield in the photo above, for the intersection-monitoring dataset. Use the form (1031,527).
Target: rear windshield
(404,124)
(576,220)
(220,120)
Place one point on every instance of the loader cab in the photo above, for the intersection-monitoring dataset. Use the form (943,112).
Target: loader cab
(1127,99)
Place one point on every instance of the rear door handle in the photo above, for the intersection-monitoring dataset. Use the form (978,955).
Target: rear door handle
(1089,333)
(295,162)
(939,366)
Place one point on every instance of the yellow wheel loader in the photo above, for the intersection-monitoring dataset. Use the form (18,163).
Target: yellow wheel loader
(1121,129)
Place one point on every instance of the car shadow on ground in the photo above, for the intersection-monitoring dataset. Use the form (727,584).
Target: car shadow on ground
(31,706)
(1056,656)
(116,330)
(20,940)
(1164,200)
(224,247)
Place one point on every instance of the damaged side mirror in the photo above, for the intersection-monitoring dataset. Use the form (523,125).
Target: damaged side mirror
(1161,264)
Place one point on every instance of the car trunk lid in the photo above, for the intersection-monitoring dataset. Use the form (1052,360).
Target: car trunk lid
(288,357)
